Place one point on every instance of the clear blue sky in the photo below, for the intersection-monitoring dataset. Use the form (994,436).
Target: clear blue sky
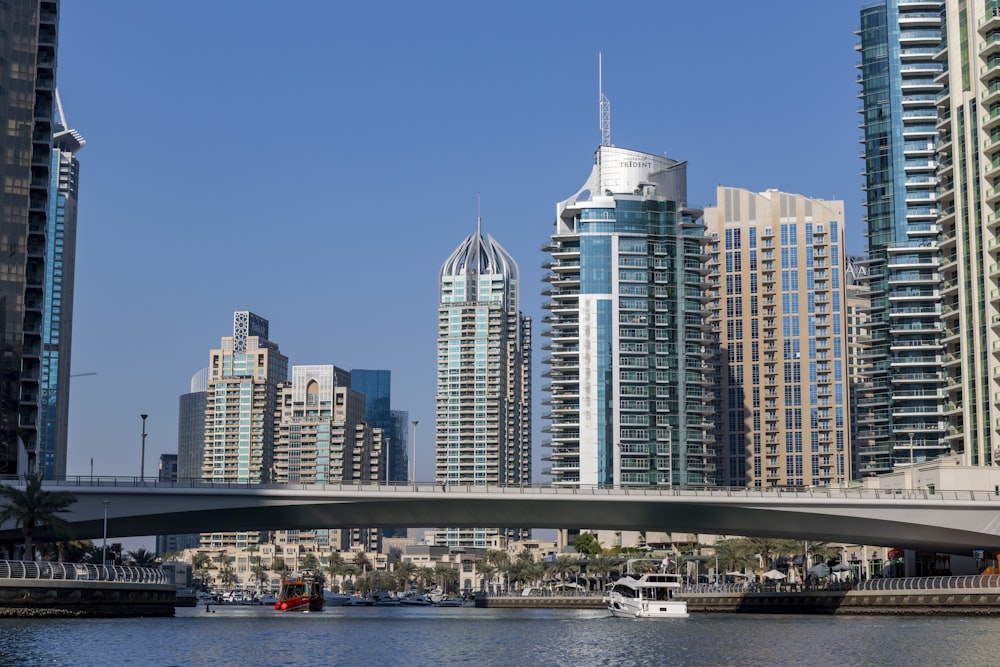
(318,161)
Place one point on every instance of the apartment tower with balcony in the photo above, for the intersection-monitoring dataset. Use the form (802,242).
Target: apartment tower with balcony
(27,98)
(903,78)
(60,269)
(783,377)
(630,349)
(321,437)
(969,199)
(243,377)
(483,406)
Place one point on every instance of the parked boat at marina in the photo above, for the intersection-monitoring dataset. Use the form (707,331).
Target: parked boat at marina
(646,595)
(301,591)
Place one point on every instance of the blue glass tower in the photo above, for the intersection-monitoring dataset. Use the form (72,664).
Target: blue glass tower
(900,402)
(630,347)
(377,389)
(57,335)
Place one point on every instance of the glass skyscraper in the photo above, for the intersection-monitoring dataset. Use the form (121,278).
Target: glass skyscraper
(483,425)
(629,342)
(27,96)
(60,266)
(377,388)
(901,388)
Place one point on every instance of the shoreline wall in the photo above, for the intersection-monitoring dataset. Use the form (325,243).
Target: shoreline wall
(32,598)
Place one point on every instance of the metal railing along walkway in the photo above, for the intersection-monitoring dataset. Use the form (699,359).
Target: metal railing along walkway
(44,570)
(967,582)
(857,493)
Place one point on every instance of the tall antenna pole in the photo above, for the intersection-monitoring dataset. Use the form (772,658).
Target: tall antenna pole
(479,214)
(605,103)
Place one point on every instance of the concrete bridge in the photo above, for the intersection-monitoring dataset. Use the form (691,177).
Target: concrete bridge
(945,521)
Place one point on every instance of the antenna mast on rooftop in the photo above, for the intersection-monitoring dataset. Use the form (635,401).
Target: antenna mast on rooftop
(605,103)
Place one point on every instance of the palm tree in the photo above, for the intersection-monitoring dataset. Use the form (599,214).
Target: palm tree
(142,558)
(404,573)
(486,573)
(735,554)
(768,548)
(601,565)
(259,575)
(563,566)
(279,567)
(361,560)
(335,566)
(446,577)
(310,562)
(34,507)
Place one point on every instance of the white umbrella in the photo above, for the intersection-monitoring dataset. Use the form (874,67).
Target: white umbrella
(819,570)
(773,574)
(841,567)
(735,574)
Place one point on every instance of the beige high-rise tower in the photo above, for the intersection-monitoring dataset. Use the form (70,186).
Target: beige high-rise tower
(783,382)
(243,376)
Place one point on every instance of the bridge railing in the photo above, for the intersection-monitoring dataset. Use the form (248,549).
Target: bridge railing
(894,584)
(929,583)
(44,570)
(858,493)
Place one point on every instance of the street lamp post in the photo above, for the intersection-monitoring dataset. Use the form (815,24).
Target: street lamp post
(142,463)
(104,549)
(413,477)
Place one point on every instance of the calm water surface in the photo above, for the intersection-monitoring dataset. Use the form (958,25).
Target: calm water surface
(420,636)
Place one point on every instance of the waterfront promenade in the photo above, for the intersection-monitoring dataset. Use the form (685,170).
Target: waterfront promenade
(966,595)
(44,589)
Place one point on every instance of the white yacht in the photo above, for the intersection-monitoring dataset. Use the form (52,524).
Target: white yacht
(647,594)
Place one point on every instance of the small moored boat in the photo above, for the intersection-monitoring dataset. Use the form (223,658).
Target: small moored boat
(647,595)
(300,591)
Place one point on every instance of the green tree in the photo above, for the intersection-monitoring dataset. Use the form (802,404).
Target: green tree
(486,574)
(310,562)
(602,565)
(227,576)
(562,567)
(735,554)
(404,572)
(586,543)
(260,577)
(767,548)
(34,507)
(279,567)
(446,577)
(335,568)
(142,558)
(361,560)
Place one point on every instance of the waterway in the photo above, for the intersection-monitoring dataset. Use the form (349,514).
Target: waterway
(440,637)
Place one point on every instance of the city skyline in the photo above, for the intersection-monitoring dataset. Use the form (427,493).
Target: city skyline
(205,197)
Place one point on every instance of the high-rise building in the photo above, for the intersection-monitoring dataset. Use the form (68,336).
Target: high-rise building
(857,340)
(244,374)
(191,428)
(903,84)
(27,97)
(321,436)
(483,421)
(60,268)
(783,385)
(190,452)
(969,200)
(377,389)
(630,345)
